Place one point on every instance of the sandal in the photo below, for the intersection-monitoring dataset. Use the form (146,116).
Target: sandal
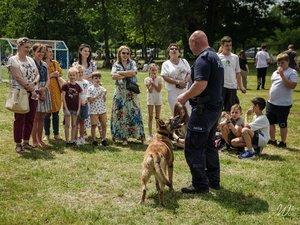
(27,146)
(19,149)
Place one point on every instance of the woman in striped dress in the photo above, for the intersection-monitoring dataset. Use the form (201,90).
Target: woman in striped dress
(44,99)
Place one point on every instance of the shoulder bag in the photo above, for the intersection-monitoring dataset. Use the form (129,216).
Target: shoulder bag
(17,101)
(130,85)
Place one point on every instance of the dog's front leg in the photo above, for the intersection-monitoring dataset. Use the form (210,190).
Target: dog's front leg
(170,175)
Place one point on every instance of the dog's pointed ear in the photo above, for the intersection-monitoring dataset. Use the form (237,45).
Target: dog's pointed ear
(160,122)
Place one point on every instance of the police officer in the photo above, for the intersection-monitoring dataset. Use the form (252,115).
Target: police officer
(205,96)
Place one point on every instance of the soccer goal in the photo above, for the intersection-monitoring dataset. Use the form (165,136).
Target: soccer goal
(8,47)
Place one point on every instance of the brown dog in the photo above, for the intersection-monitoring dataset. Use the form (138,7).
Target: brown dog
(159,157)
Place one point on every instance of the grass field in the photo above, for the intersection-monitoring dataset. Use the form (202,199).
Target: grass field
(59,185)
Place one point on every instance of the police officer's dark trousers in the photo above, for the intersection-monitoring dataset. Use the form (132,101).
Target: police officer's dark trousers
(200,153)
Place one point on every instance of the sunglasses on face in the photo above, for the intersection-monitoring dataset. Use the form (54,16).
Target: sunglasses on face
(174,49)
(125,53)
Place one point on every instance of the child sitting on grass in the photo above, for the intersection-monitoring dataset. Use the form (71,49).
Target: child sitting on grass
(97,96)
(255,134)
(231,126)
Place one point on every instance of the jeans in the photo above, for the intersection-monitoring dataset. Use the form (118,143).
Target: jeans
(55,123)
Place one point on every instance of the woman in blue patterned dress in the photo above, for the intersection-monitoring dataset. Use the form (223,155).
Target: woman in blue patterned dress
(44,99)
(126,117)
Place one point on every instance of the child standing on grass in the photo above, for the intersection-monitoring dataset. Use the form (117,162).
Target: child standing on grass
(232,126)
(256,134)
(84,108)
(284,80)
(71,92)
(96,96)
(154,96)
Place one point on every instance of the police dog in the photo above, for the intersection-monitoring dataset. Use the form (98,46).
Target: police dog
(159,158)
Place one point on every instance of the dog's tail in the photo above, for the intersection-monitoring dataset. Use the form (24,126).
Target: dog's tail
(158,170)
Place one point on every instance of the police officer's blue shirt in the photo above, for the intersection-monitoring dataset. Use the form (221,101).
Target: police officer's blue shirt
(209,67)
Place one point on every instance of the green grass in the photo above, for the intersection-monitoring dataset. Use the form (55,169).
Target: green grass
(59,185)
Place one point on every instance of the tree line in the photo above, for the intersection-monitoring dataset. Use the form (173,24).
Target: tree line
(151,23)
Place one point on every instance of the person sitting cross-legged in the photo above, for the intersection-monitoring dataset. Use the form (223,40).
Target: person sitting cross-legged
(255,134)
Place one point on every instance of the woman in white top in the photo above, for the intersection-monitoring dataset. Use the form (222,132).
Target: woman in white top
(176,74)
(24,74)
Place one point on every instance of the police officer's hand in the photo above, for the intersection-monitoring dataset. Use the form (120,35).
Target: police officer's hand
(181,98)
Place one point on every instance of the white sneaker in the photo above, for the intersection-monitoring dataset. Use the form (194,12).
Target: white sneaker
(83,142)
(78,141)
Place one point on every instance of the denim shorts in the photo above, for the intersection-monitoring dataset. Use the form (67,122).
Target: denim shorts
(84,112)
(72,113)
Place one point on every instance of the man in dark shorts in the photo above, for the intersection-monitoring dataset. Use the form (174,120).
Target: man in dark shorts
(205,96)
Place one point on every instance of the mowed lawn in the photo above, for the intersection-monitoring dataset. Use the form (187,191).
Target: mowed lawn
(86,185)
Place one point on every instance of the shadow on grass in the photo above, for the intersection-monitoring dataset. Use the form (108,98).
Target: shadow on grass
(45,153)
(270,157)
(242,204)
(292,149)
(88,148)
(171,199)
(134,146)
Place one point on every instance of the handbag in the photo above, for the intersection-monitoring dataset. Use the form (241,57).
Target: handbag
(17,101)
(60,80)
(132,86)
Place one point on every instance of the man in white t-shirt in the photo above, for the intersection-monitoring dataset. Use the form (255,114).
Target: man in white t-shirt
(262,59)
(232,74)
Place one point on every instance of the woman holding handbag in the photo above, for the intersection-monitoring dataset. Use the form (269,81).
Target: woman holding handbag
(126,117)
(24,74)
(55,75)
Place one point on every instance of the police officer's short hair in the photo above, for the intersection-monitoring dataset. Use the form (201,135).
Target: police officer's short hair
(260,102)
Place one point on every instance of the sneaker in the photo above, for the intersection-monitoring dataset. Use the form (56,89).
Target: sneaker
(150,137)
(19,149)
(125,143)
(27,146)
(83,142)
(281,145)
(257,150)
(78,142)
(104,143)
(95,143)
(46,138)
(247,154)
(226,147)
(270,142)
(57,137)
(192,190)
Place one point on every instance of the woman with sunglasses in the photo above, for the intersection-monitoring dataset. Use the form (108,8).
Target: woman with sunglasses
(126,117)
(176,74)
(24,74)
